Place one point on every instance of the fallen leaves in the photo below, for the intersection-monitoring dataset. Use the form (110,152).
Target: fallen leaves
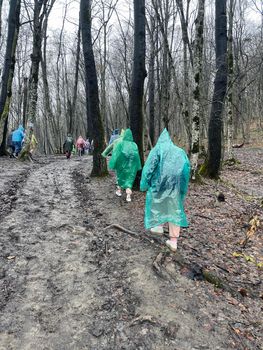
(249,258)
(254,224)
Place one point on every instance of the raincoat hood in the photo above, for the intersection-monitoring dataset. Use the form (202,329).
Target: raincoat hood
(164,137)
(128,135)
(80,139)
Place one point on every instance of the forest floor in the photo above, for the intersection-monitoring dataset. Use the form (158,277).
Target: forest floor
(67,283)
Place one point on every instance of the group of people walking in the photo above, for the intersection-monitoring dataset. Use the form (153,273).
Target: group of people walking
(80,147)
(165,177)
(165,174)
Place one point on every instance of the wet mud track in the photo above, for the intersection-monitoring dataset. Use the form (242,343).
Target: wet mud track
(67,283)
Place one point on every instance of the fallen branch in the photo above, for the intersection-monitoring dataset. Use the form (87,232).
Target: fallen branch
(203,216)
(123,229)
(238,145)
(143,319)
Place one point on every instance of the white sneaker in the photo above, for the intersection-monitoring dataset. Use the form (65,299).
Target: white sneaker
(118,192)
(157,229)
(128,198)
(171,245)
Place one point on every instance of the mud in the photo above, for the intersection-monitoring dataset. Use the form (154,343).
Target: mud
(67,283)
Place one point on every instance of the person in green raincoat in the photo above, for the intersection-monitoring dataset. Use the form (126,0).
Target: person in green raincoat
(165,177)
(126,162)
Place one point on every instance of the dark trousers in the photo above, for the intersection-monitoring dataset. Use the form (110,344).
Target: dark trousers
(68,154)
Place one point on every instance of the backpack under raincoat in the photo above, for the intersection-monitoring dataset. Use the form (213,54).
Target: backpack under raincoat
(125,160)
(165,176)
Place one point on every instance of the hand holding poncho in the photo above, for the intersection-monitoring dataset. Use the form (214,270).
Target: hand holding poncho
(165,176)
(125,160)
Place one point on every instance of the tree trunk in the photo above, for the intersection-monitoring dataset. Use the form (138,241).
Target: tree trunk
(95,124)
(220,86)
(49,115)
(138,76)
(8,70)
(1,6)
(151,96)
(230,82)
(25,96)
(41,8)
(198,68)
(72,113)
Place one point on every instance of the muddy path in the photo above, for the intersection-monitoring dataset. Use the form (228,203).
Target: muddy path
(67,283)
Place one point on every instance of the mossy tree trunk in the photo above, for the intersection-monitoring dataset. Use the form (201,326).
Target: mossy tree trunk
(138,76)
(198,69)
(41,9)
(95,124)
(8,70)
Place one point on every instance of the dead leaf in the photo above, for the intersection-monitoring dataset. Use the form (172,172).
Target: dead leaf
(243,292)
(237,331)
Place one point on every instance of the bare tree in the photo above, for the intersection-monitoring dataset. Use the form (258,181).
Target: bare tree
(220,85)
(41,7)
(8,71)
(95,125)
(138,76)
(230,80)
(198,69)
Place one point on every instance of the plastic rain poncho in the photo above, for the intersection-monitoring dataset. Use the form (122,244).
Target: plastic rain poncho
(125,160)
(108,150)
(165,176)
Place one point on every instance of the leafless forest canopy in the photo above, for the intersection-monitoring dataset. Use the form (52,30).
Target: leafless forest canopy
(170,59)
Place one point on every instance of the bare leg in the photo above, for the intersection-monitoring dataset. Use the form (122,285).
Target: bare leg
(174,233)
(128,193)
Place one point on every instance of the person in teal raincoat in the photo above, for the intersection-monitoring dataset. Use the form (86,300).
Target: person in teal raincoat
(165,177)
(126,162)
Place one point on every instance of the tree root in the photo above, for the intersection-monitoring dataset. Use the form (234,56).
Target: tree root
(160,269)
(132,233)
(123,229)
(144,319)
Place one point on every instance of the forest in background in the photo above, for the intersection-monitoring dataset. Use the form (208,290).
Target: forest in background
(181,65)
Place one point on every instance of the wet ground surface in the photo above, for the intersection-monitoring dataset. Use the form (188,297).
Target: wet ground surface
(67,283)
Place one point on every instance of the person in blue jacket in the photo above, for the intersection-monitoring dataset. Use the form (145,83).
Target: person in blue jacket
(115,135)
(165,177)
(17,137)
